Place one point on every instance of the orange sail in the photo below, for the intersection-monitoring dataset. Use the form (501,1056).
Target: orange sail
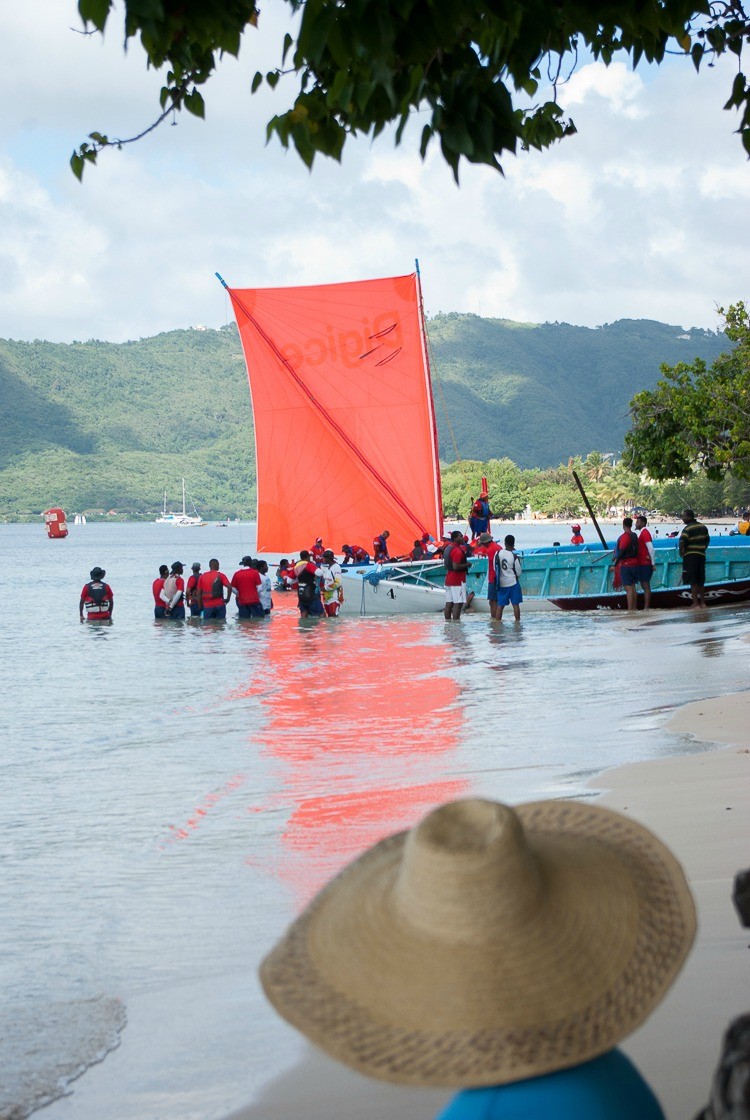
(345,435)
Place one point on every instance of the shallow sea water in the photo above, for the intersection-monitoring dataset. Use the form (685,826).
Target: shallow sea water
(172,793)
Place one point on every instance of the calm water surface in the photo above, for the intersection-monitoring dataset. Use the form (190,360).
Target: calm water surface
(172,793)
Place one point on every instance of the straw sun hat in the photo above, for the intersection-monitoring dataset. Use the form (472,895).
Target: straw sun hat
(486,945)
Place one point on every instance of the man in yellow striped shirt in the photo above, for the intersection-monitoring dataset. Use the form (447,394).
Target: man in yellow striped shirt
(693,543)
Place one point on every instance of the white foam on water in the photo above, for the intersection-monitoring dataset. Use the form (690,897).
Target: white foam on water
(45,1047)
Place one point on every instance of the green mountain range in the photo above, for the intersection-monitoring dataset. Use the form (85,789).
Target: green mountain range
(101,426)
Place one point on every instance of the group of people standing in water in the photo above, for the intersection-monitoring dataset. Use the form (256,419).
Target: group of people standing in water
(207,594)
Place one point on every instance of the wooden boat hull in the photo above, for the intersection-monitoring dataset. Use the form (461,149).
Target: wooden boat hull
(667,598)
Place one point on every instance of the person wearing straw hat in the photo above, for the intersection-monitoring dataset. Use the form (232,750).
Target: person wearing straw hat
(501,951)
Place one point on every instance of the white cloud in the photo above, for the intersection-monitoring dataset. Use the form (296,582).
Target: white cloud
(636,216)
(619,87)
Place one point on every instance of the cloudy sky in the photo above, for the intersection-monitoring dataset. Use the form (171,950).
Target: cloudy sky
(643,214)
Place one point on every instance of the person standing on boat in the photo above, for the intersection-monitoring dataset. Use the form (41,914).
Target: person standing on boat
(308,577)
(645,558)
(380,547)
(457,565)
(354,554)
(190,590)
(479,518)
(693,543)
(507,577)
(577,537)
(246,583)
(626,562)
(173,592)
(332,592)
(213,592)
(97,598)
(317,550)
(160,607)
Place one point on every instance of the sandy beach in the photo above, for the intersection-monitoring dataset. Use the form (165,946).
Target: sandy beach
(698,803)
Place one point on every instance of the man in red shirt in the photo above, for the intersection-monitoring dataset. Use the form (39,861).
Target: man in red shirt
(245,584)
(457,566)
(210,592)
(626,561)
(645,558)
(308,577)
(190,590)
(156,590)
(97,598)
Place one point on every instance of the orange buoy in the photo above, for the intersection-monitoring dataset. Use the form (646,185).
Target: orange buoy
(55,523)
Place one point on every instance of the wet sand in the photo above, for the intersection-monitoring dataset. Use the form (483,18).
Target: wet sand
(700,806)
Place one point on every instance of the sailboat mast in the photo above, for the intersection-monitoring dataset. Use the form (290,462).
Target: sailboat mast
(428,372)
(184,511)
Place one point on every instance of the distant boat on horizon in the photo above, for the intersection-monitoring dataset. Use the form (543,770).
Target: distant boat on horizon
(183,519)
(79,519)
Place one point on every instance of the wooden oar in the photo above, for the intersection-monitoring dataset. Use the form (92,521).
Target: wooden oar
(591,512)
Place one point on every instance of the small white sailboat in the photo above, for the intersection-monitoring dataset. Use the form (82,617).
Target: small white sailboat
(183,519)
(79,519)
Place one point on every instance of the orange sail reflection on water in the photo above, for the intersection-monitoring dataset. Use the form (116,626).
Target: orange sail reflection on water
(364,740)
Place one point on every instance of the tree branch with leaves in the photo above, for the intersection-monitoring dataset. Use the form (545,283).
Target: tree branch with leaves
(470,70)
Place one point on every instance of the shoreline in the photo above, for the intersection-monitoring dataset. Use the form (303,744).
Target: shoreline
(697,802)
(699,805)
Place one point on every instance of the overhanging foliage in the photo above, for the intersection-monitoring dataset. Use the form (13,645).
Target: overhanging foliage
(471,70)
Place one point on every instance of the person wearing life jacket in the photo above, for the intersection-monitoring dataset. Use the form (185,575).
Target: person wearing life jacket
(284,576)
(213,592)
(380,547)
(577,537)
(479,517)
(308,577)
(317,550)
(190,590)
(626,562)
(97,598)
(331,590)
(456,565)
(354,554)
(246,583)
(156,589)
(645,558)
(173,593)
(418,552)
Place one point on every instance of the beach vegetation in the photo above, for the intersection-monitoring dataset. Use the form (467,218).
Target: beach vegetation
(482,82)
(697,416)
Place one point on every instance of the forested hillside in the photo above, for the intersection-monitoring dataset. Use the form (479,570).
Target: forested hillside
(103,426)
(539,394)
